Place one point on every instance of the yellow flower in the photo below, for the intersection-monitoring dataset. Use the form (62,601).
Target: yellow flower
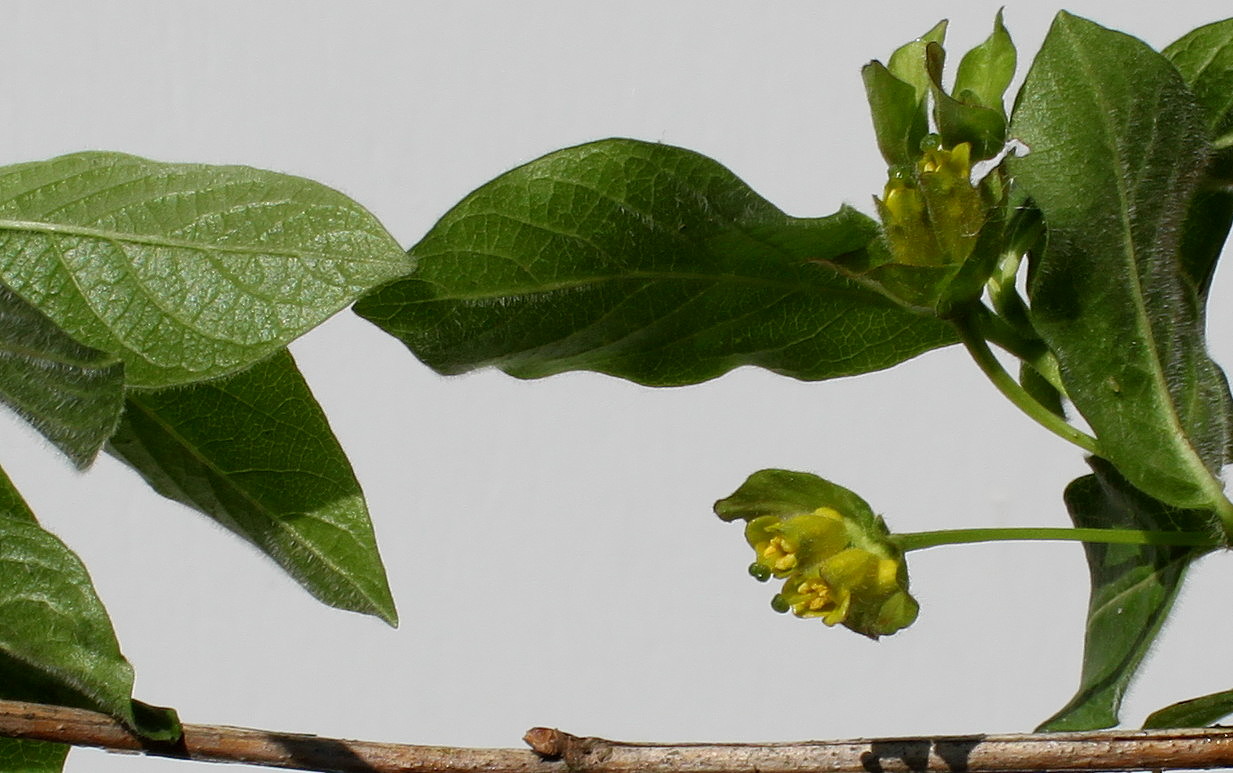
(837,561)
(782,545)
(932,214)
(812,596)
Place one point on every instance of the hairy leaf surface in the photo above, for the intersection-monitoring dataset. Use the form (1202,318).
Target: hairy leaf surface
(1118,149)
(1204,57)
(1133,589)
(647,262)
(56,641)
(71,393)
(254,451)
(184,271)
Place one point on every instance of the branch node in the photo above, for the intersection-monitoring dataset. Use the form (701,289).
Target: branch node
(547,742)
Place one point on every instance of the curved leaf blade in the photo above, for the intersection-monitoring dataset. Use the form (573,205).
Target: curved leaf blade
(56,640)
(1196,712)
(255,452)
(646,262)
(70,393)
(1118,148)
(1132,592)
(184,271)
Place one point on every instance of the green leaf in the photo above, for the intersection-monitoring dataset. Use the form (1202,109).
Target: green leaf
(21,756)
(56,641)
(1133,589)
(70,393)
(1118,147)
(254,451)
(184,271)
(1204,57)
(1196,712)
(647,262)
(985,72)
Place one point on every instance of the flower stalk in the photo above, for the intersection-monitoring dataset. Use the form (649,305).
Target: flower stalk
(920,540)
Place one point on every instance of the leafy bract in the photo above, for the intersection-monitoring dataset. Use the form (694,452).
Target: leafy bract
(900,118)
(69,392)
(1133,589)
(56,641)
(986,71)
(184,271)
(21,756)
(1118,148)
(647,262)
(254,451)
(907,63)
(1196,712)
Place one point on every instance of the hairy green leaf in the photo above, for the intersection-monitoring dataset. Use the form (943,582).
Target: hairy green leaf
(254,451)
(1118,147)
(69,392)
(1204,57)
(647,262)
(56,641)
(21,756)
(1133,589)
(184,271)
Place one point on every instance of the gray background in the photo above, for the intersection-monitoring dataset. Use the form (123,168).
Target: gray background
(550,543)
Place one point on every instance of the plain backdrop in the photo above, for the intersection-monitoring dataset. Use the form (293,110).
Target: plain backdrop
(550,544)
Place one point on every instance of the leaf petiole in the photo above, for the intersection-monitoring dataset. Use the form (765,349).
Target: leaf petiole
(928,539)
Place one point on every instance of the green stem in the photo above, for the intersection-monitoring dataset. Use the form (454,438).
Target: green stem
(1008,386)
(927,539)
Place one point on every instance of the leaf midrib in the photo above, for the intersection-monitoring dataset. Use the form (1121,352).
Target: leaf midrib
(147,240)
(224,476)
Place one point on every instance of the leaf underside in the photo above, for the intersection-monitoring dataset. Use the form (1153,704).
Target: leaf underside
(1204,57)
(56,641)
(184,271)
(254,451)
(70,393)
(646,262)
(1118,150)
(1133,589)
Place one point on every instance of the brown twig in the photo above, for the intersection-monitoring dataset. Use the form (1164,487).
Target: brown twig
(554,751)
